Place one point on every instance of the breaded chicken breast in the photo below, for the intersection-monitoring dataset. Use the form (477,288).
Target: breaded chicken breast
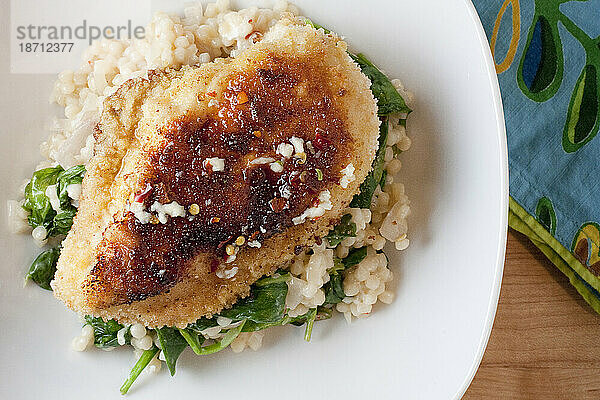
(206,178)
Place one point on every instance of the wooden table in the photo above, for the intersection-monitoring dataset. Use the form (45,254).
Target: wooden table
(545,343)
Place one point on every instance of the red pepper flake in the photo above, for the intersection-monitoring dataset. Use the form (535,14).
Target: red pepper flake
(214,264)
(253,236)
(214,220)
(250,20)
(208,166)
(212,94)
(278,204)
(242,98)
(294,179)
(320,141)
(143,195)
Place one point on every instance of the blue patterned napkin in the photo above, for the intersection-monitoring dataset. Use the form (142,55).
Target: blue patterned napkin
(547,55)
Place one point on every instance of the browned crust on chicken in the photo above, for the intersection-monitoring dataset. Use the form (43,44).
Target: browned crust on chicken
(154,137)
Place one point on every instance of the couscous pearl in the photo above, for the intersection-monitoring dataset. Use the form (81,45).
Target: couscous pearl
(223,321)
(361,273)
(39,233)
(255,340)
(351,289)
(87,331)
(386,297)
(145,343)
(79,343)
(138,331)
(363,308)
(372,282)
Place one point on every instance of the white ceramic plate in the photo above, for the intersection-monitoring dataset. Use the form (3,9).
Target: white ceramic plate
(426,345)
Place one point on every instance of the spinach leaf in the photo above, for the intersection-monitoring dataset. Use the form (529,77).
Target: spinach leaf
(137,369)
(310,320)
(354,257)
(229,337)
(323,313)
(105,333)
(334,289)
(346,228)
(202,324)
(61,223)
(265,304)
(389,100)
(383,178)
(43,268)
(193,339)
(316,26)
(172,345)
(73,175)
(36,202)
(38,205)
(367,188)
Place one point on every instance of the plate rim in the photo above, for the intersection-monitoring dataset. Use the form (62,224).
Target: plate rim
(504,181)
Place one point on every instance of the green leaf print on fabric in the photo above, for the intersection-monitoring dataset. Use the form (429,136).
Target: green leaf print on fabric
(583,117)
(545,215)
(541,70)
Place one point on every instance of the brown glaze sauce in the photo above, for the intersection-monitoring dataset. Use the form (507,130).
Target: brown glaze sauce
(259,110)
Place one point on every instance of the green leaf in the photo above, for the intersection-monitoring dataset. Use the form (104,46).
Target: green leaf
(334,289)
(354,257)
(367,188)
(172,345)
(310,320)
(105,333)
(137,369)
(223,343)
(383,178)
(62,223)
(43,268)
(265,304)
(193,339)
(36,202)
(389,101)
(316,26)
(202,324)
(71,176)
(345,229)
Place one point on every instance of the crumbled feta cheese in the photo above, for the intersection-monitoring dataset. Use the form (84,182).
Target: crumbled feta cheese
(285,149)
(74,192)
(314,212)
(254,243)
(285,191)
(262,160)
(217,164)
(347,176)
(139,213)
(213,103)
(53,197)
(276,166)
(172,209)
(227,274)
(298,144)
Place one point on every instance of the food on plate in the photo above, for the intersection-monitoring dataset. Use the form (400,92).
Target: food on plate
(206,178)
(231,172)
